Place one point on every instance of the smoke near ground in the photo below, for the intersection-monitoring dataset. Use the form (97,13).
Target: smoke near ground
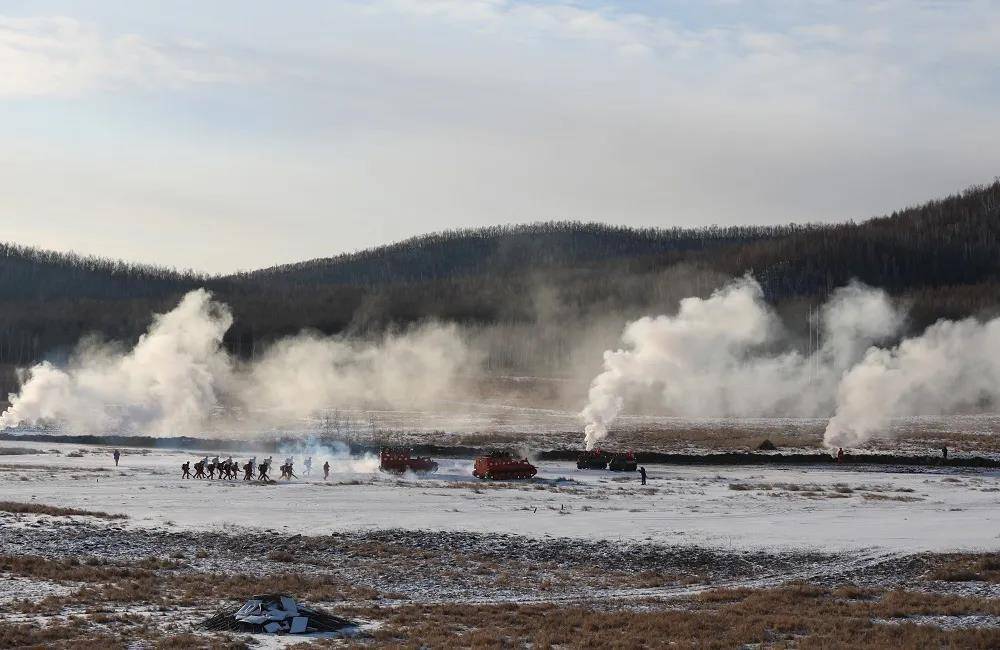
(954,366)
(169,381)
(178,374)
(730,355)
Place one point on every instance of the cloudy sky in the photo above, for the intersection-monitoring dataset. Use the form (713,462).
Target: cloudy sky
(236,134)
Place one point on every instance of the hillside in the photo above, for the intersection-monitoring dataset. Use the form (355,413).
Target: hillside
(943,256)
(504,250)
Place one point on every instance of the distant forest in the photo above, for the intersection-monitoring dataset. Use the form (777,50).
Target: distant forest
(943,257)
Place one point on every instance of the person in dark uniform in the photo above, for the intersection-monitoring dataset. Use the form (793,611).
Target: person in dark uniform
(117,455)
(944,452)
(262,472)
(186,469)
(326,470)
(642,475)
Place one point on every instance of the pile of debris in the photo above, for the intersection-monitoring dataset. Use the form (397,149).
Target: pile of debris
(275,614)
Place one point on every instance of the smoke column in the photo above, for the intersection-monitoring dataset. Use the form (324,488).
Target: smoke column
(168,381)
(953,366)
(729,355)
(178,373)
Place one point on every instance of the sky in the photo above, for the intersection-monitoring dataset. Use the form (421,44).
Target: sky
(237,134)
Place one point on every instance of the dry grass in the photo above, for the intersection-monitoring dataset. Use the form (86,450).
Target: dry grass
(76,634)
(796,615)
(74,570)
(158,581)
(54,511)
(835,491)
(967,568)
(800,616)
(890,497)
(19,451)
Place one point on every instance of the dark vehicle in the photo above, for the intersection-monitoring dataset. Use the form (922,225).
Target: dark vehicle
(593,459)
(623,462)
(503,465)
(399,461)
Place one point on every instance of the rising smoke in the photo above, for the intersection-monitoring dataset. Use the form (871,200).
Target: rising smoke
(730,355)
(954,366)
(178,374)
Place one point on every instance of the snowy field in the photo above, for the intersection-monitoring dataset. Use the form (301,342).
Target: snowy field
(824,508)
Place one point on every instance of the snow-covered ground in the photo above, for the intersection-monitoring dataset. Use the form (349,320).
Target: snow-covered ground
(724,507)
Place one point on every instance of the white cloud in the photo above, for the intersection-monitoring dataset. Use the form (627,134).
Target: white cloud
(63,56)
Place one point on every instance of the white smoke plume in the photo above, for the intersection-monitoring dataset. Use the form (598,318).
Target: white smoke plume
(952,367)
(178,373)
(336,453)
(301,374)
(169,381)
(728,355)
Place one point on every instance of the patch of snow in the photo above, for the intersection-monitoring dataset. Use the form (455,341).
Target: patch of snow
(950,510)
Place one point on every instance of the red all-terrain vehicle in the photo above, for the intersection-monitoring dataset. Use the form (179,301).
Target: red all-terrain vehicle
(398,461)
(503,465)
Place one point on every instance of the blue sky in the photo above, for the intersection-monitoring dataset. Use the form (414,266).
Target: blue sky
(232,135)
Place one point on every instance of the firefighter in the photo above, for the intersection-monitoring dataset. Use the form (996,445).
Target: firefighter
(248,471)
(840,455)
(944,452)
(262,472)
(186,469)
(116,455)
(642,475)
(199,469)
(211,470)
(326,470)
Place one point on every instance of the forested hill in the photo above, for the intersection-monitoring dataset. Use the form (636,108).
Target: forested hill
(944,256)
(952,241)
(505,250)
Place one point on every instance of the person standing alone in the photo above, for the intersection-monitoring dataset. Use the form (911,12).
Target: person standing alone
(116,455)
(642,475)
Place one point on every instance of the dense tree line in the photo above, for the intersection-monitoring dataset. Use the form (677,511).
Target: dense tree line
(944,256)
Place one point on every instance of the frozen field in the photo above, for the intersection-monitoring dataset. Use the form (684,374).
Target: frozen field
(718,507)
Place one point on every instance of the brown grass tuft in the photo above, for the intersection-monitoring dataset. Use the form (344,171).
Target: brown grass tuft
(54,511)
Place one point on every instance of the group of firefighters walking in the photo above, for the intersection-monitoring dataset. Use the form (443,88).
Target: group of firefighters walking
(230,469)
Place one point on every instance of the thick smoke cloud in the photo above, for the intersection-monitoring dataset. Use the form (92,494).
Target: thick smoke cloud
(418,368)
(178,374)
(730,355)
(169,381)
(952,367)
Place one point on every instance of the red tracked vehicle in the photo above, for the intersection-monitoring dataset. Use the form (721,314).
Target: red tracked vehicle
(623,461)
(593,459)
(502,466)
(619,461)
(398,461)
